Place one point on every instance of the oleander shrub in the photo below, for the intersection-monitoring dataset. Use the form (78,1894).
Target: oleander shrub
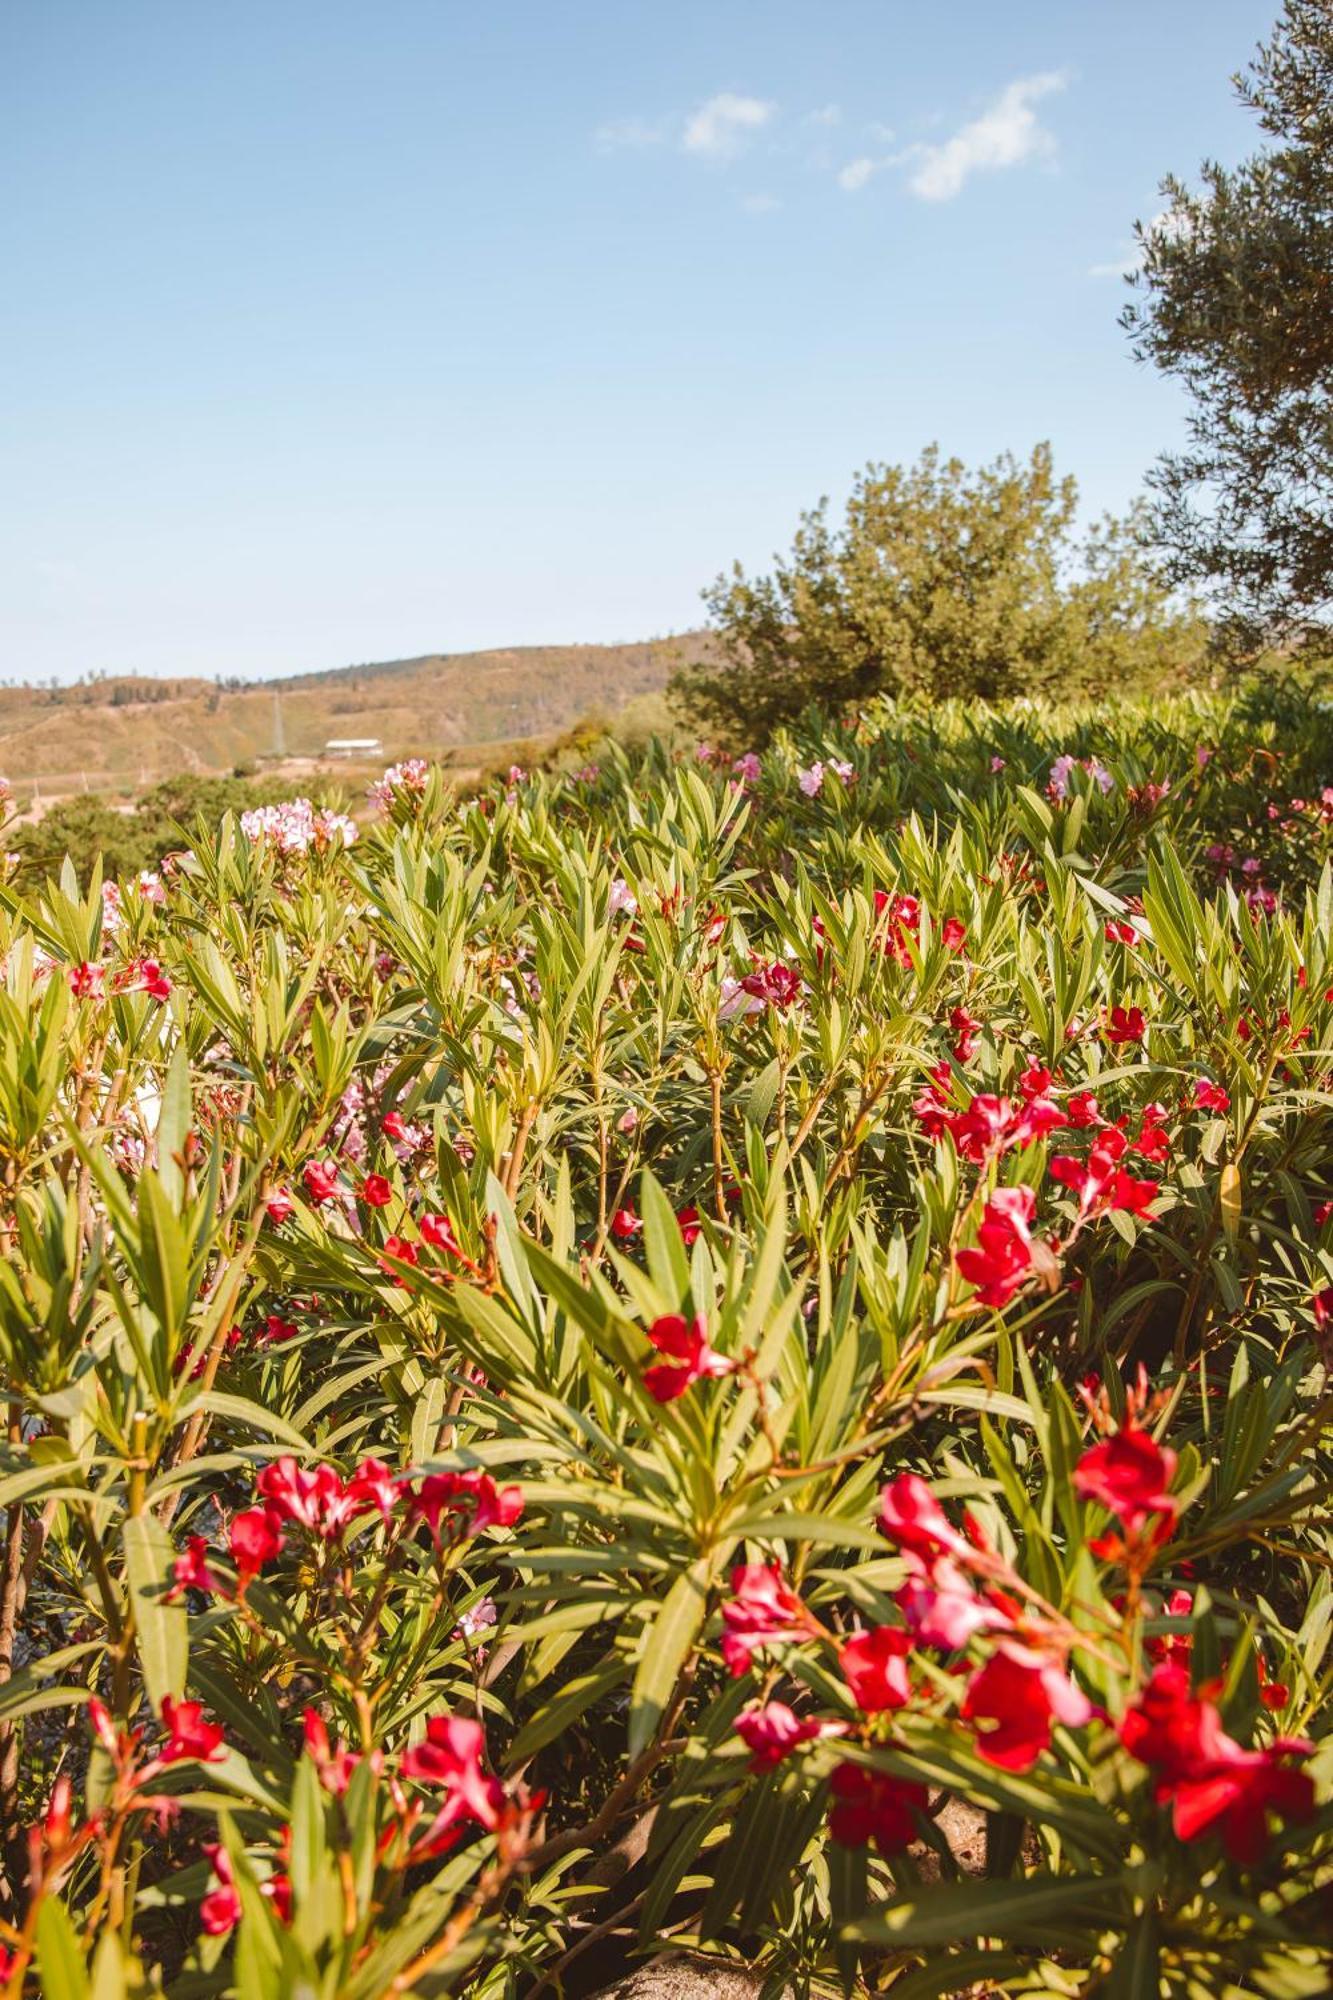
(714,1351)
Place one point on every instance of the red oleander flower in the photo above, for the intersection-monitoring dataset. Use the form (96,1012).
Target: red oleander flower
(966,1028)
(374,1485)
(376,1191)
(438,1231)
(954,934)
(1173,1648)
(253,1539)
(1102,1183)
(190,1570)
(625,1225)
(145,975)
(1020,1693)
(872,1806)
(772,1733)
(279,1206)
(1210,1096)
(1322,1304)
(463,1504)
(773,985)
(688,1220)
(450,1760)
(763,1610)
(1082,1108)
(686,1342)
(999,1262)
(87,982)
(1126,1024)
(220,1910)
(401,1250)
(911,1516)
(316,1500)
(1129,1473)
(335,1764)
(1210,1781)
(1119,933)
(321,1181)
(188,1735)
(1153,1141)
(874,1666)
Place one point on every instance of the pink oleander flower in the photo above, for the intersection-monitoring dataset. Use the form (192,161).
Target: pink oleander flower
(1210,1096)
(458,1505)
(254,1539)
(772,1732)
(763,1610)
(406,780)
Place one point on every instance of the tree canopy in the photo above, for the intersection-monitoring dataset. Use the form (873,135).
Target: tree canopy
(939,581)
(1233,300)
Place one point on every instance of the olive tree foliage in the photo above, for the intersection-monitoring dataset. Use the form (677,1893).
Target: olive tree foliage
(1233,300)
(939,581)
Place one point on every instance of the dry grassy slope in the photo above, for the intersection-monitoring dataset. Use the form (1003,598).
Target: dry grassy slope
(130,732)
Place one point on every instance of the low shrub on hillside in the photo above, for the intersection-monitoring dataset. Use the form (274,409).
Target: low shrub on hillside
(728,1351)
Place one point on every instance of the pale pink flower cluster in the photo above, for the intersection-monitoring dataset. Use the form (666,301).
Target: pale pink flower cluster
(296,826)
(1057,785)
(406,779)
(811,779)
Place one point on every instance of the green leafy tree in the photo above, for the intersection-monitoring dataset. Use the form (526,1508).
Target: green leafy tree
(939,582)
(1234,300)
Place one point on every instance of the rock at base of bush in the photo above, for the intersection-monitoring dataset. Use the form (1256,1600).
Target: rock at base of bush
(689,1976)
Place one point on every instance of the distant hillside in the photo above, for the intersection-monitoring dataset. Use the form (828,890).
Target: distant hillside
(122,734)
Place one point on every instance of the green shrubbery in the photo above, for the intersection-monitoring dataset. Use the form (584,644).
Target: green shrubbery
(939,584)
(716,1350)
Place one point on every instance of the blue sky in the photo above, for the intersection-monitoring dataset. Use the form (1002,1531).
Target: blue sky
(334,332)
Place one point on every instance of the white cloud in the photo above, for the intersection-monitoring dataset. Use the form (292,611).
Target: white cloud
(827,114)
(856,173)
(722,127)
(760,204)
(1168,223)
(1005,134)
(1124,267)
(618,134)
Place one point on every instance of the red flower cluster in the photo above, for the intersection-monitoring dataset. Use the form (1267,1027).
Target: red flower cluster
(1103,1183)
(871,1806)
(453,1505)
(999,1262)
(1209,1780)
